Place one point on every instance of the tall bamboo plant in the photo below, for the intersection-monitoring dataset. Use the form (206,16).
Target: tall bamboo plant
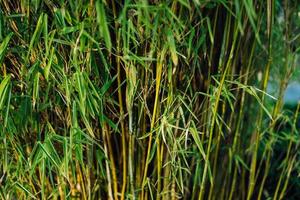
(142,99)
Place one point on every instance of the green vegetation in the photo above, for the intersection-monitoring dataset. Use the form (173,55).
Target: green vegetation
(158,99)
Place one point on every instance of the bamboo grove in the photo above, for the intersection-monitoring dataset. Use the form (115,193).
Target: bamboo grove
(137,99)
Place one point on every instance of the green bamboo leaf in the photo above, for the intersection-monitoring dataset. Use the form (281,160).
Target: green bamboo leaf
(3,90)
(238,160)
(103,24)
(74,114)
(35,92)
(69,29)
(107,85)
(35,158)
(7,107)
(197,140)
(3,46)
(45,32)
(36,35)
(111,123)
(211,35)
(190,41)
(82,90)
(87,125)
(25,190)
(49,154)
(131,74)
(48,66)
(239,15)
(51,149)
(172,48)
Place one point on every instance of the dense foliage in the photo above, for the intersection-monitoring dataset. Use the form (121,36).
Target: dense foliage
(158,99)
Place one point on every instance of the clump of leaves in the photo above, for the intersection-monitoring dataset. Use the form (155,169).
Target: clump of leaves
(147,99)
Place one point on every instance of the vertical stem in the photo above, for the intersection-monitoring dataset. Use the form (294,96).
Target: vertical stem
(109,188)
(112,161)
(214,116)
(130,163)
(260,115)
(158,82)
(124,154)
